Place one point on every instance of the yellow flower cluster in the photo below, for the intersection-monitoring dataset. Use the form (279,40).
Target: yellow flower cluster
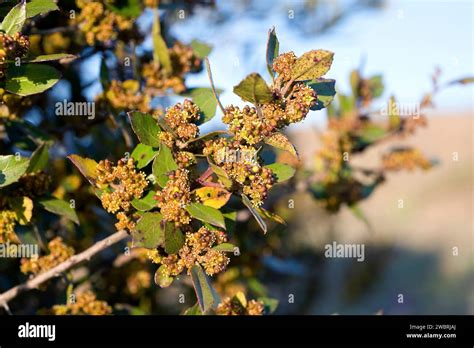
(12,47)
(197,249)
(124,96)
(335,142)
(58,253)
(283,64)
(180,118)
(7,227)
(240,163)
(12,105)
(174,197)
(98,24)
(122,184)
(86,303)
(138,281)
(232,306)
(183,60)
(405,159)
(246,124)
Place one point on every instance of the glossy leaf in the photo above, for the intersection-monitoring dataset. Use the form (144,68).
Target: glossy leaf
(174,239)
(143,154)
(280,141)
(39,159)
(254,89)
(59,207)
(15,19)
(30,78)
(225,247)
(312,65)
(205,293)
(214,197)
(163,164)
(221,175)
(325,90)
(160,50)
(255,213)
(201,49)
(148,232)
(145,203)
(206,214)
(12,168)
(23,208)
(50,58)
(273,47)
(281,171)
(87,167)
(37,7)
(207,103)
(271,216)
(145,127)
(126,8)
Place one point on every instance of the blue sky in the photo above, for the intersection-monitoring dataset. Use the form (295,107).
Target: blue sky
(405,40)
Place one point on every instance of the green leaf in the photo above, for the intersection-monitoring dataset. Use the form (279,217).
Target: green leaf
(280,141)
(282,171)
(162,279)
(354,79)
(126,8)
(145,127)
(273,47)
(201,49)
(325,90)
(15,19)
(87,167)
(376,85)
(12,168)
(194,310)
(207,103)
(221,175)
(160,50)
(271,304)
(225,247)
(205,293)
(49,58)
(104,75)
(271,216)
(312,65)
(163,164)
(143,154)
(174,239)
(30,78)
(39,159)
(23,208)
(254,89)
(59,207)
(255,213)
(359,213)
(36,7)
(372,133)
(206,214)
(148,232)
(145,203)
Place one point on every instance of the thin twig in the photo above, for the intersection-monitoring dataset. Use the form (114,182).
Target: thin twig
(209,73)
(86,255)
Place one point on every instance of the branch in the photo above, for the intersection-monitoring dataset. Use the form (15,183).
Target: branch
(209,74)
(56,271)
